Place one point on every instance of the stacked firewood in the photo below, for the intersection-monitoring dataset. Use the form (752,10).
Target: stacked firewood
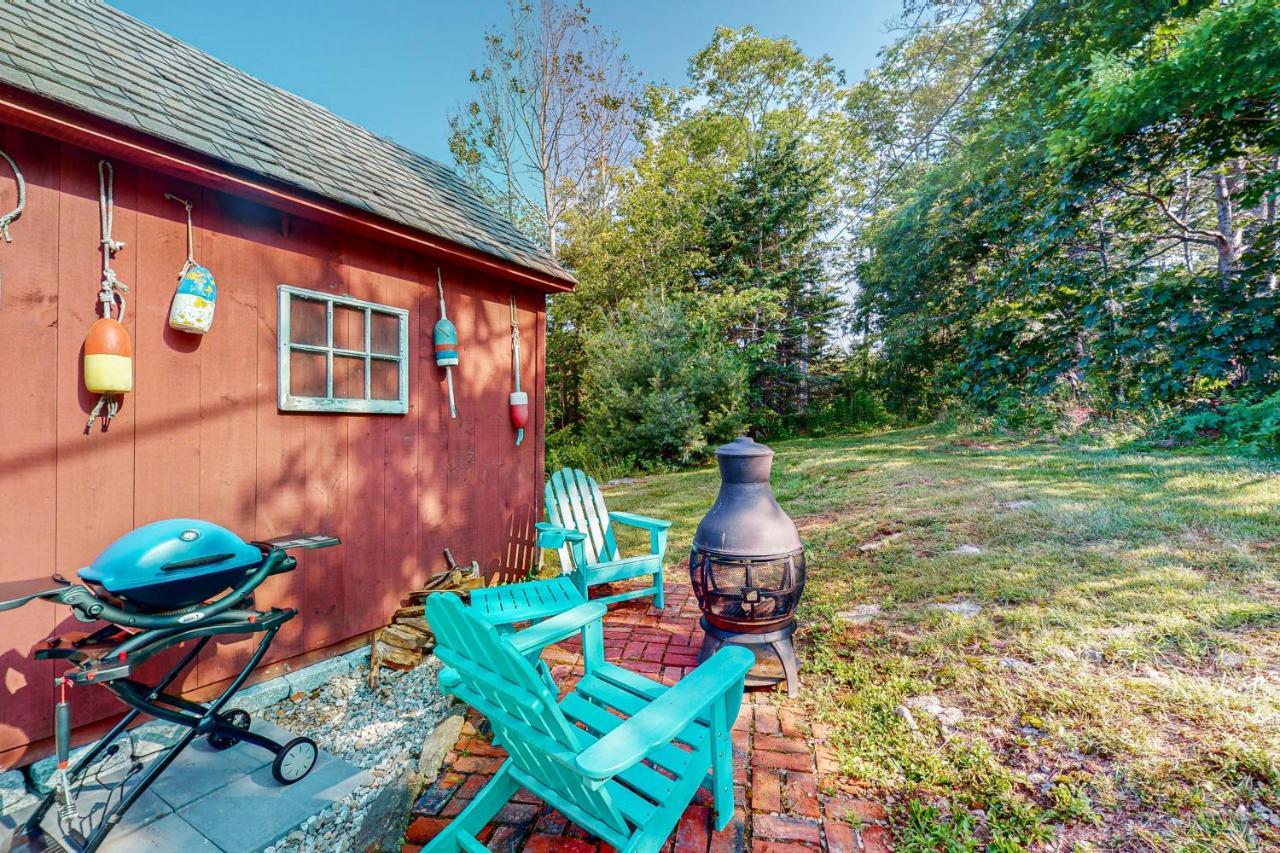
(404,642)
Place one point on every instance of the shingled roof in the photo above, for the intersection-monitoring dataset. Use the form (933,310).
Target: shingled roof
(106,63)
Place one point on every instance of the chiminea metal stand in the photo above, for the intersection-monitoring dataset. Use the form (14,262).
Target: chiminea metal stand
(778,642)
(748,569)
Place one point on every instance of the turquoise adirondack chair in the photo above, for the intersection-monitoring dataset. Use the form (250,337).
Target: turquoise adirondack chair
(620,755)
(581,528)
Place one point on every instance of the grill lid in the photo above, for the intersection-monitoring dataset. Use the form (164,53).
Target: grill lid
(166,562)
(745,520)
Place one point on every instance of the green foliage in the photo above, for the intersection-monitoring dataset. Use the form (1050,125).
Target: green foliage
(726,211)
(664,385)
(765,247)
(928,831)
(1249,425)
(567,448)
(1102,219)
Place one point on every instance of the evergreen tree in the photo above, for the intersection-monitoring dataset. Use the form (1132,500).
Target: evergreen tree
(765,242)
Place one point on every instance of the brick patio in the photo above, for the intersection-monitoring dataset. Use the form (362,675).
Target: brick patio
(780,761)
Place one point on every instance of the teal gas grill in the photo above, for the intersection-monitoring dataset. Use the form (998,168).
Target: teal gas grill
(162,585)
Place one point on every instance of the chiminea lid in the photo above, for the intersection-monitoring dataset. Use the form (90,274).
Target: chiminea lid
(745,520)
(743,445)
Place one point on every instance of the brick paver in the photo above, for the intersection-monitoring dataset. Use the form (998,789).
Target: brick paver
(784,762)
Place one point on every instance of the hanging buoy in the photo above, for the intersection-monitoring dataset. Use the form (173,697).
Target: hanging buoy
(446,341)
(519,400)
(108,358)
(197,294)
(108,351)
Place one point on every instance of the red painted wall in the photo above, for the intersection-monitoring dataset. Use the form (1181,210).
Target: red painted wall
(201,435)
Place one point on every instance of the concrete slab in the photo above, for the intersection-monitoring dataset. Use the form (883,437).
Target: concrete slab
(201,769)
(256,811)
(96,796)
(206,800)
(167,835)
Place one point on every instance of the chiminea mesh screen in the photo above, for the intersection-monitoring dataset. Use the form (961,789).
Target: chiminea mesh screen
(741,594)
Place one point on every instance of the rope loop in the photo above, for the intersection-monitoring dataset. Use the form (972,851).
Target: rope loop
(191,237)
(8,218)
(112,289)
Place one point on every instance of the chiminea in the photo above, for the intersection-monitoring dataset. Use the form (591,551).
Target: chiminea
(747,567)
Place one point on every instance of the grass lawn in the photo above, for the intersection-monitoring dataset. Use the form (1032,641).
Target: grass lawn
(1119,684)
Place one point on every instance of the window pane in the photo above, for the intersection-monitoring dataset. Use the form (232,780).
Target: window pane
(385,380)
(348,329)
(307,322)
(348,377)
(386,334)
(306,373)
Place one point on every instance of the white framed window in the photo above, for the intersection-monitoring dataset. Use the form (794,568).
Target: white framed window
(338,354)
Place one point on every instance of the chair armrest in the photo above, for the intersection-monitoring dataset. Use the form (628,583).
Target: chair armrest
(632,520)
(557,628)
(663,718)
(553,536)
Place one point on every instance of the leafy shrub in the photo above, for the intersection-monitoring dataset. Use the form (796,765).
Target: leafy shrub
(1252,425)
(566,448)
(856,410)
(664,386)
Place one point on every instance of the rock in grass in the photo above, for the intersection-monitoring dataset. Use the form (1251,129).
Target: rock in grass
(1017,665)
(963,609)
(966,550)
(860,615)
(946,715)
(437,745)
(1230,660)
(881,541)
(1017,505)
(1062,653)
(905,714)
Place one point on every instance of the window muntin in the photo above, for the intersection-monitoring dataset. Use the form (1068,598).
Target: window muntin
(338,354)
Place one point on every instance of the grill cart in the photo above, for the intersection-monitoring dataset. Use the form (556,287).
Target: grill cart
(164,584)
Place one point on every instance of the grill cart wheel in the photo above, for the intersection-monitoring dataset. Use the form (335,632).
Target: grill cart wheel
(234,717)
(294,760)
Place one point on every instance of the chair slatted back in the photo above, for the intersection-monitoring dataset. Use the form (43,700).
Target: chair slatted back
(503,685)
(574,501)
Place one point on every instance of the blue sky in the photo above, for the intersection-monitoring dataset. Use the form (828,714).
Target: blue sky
(399,67)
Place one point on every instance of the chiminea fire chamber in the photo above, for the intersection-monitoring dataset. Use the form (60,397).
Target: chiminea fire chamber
(747,567)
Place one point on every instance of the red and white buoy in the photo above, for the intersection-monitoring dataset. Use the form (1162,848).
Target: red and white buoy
(518,402)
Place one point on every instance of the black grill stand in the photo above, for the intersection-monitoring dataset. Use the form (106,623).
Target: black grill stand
(110,667)
(778,642)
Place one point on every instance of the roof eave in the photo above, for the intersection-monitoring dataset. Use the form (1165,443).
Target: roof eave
(61,121)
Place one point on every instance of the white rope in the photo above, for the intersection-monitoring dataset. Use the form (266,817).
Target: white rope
(113,289)
(515,342)
(9,217)
(191,238)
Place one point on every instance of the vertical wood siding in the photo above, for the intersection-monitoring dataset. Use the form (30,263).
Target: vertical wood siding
(201,436)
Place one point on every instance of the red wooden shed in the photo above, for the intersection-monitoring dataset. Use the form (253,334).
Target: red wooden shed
(284,193)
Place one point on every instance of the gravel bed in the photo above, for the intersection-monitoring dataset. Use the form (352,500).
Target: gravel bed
(380,730)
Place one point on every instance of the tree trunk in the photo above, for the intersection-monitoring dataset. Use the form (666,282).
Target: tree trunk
(1228,241)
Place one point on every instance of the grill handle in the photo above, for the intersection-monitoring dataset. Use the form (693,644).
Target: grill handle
(195,562)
